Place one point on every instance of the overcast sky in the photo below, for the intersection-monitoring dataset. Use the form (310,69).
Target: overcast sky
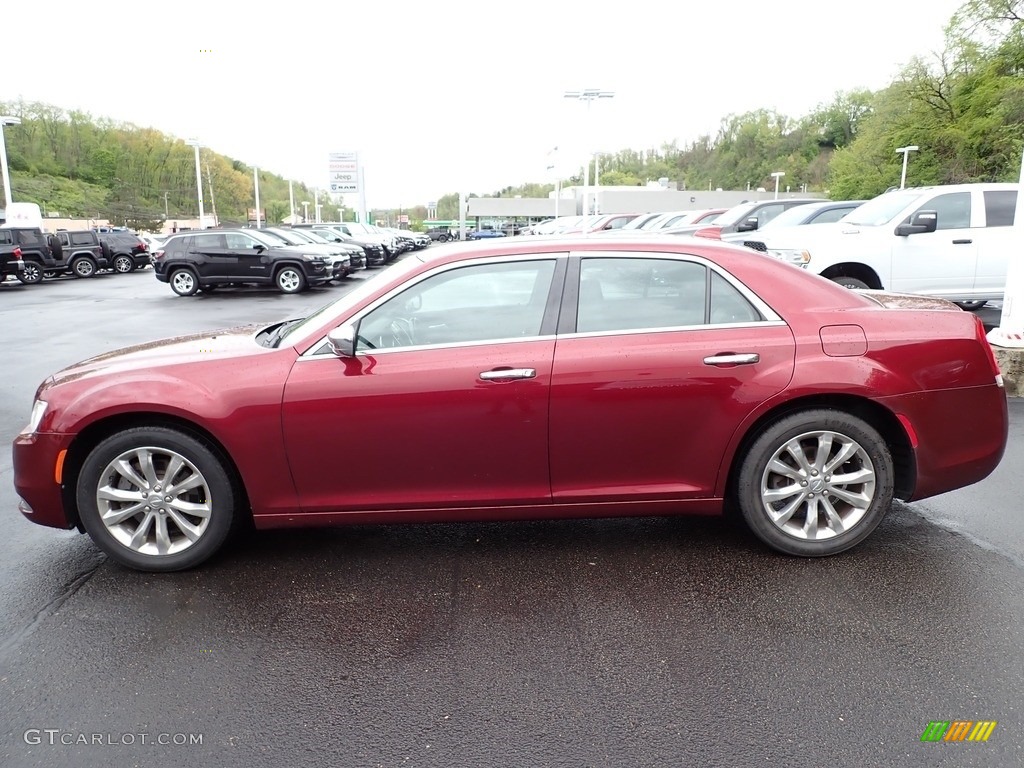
(441,96)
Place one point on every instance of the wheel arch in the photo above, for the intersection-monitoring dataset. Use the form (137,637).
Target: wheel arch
(99,430)
(855,270)
(879,417)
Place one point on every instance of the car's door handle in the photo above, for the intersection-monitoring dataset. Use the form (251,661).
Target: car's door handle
(962,242)
(509,374)
(730,358)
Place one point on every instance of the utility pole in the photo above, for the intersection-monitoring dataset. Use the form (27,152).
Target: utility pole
(167,213)
(213,200)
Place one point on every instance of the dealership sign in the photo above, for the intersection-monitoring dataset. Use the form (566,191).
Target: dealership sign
(343,172)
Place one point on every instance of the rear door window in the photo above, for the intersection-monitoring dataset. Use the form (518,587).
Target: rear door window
(1000,206)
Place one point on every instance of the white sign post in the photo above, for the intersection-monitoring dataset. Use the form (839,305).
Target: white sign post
(1010,332)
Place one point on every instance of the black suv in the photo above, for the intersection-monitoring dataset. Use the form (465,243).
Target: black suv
(205,259)
(78,252)
(35,251)
(124,250)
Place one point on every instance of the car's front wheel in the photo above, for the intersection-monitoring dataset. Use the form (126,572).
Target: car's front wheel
(290,280)
(156,499)
(183,282)
(816,483)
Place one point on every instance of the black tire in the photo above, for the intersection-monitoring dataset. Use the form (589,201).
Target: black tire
(83,266)
(123,264)
(289,279)
(183,282)
(31,274)
(56,247)
(849,282)
(164,446)
(971,306)
(442,238)
(808,501)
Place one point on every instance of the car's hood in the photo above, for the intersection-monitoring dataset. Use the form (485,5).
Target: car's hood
(229,343)
(802,236)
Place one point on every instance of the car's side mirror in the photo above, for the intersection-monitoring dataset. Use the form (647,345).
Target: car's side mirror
(258,248)
(920,223)
(747,226)
(342,340)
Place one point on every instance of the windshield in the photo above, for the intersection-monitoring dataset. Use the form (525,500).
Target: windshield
(267,239)
(337,307)
(313,236)
(793,217)
(639,221)
(883,209)
(288,237)
(735,214)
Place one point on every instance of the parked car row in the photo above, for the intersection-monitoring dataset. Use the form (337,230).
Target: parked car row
(30,255)
(290,258)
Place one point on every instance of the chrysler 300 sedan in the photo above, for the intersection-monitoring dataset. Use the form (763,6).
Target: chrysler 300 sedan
(527,379)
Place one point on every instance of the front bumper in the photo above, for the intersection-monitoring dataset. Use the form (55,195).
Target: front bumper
(35,478)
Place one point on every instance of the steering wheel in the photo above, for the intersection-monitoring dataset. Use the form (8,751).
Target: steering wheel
(403,332)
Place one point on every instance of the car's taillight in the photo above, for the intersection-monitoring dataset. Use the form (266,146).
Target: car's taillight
(711,233)
(983,340)
(142,243)
(157,255)
(17,254)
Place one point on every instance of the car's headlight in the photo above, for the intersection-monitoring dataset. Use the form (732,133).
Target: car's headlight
(35,418)
(799,257)
(312,257)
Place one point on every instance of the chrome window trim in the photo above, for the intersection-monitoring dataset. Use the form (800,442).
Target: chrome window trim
(311,355)
(674,329)
(510,258)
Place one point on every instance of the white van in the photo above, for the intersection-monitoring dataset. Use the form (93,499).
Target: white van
(949,241)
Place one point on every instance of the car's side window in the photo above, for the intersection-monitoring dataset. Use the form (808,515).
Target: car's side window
(728,305)
(476,303)
(953,209)
(621,294)
(1000,207)
(827,217)
(767,213)
(237,241)
(208,241)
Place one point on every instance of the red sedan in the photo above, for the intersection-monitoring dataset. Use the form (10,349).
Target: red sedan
(527,379)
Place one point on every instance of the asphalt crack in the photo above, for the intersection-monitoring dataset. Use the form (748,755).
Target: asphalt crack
(66,592)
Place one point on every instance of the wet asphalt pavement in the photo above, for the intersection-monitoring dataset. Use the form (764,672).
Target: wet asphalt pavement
(658,642)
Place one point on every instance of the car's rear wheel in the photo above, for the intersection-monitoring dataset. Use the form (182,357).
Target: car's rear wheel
(31,274)
(971,306)
(156,499)
(850,282)
(124,264)
(290,280)
(816,483)
(183,282)
(83,266)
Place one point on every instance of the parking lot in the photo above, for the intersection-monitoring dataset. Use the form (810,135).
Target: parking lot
(650,642)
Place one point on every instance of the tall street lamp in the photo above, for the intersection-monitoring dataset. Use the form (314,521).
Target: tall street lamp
(906,153)
(777,175)
(588,95)
(256,185)
(6,120)
(305,211)
(199,182)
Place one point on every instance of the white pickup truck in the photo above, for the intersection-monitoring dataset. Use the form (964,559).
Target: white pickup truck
(948,241)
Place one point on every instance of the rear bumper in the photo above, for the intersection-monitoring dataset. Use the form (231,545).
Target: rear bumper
(35,462)
(961,435)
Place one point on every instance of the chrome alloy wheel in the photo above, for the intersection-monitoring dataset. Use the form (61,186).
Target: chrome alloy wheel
(154,501)
(289,280)
(183,282)
(818,485)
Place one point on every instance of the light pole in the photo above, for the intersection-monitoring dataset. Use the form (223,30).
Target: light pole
(777,175)
(588,95)
(256,186)
(906,153)
(199,183)
(316,205)
(6,120)
(558,185)
(305,211)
